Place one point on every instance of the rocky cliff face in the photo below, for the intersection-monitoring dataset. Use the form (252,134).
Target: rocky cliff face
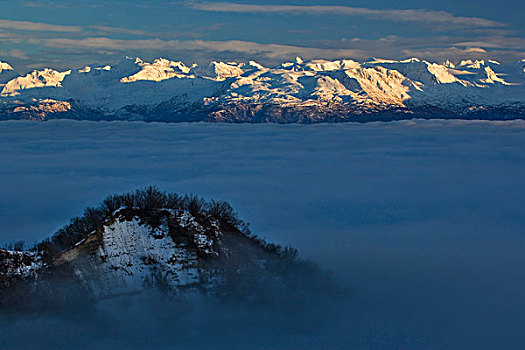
(128,255)
(293,92)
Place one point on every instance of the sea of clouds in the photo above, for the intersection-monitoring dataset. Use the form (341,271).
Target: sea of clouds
(422,222)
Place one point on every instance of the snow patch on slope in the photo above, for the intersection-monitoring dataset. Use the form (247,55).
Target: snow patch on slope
(135,256)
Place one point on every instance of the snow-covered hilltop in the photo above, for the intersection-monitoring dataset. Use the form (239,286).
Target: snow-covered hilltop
(299,91)
(143,240)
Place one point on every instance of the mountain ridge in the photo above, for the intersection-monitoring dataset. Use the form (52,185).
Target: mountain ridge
(293,92)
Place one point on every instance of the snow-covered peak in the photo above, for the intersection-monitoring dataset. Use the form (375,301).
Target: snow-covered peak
(472,64)
(319,65)
(420,71)
(411,60)
(449,64)
(349,64)
(287,65)
(478,64)
(36,79)
(296,66)
(88,69)
(253,64)
(176,65)
(373,60)
(218,70)
(378,84)
(160,69)
(5,67)
(327,66)
(492,77)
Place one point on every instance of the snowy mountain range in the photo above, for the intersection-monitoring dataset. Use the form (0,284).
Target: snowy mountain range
(293,92)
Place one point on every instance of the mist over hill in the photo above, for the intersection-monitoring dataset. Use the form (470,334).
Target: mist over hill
(420,222)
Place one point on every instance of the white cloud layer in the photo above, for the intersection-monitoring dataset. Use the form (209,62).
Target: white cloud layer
(36,26)
(79,45)
(234,46)
(419,16)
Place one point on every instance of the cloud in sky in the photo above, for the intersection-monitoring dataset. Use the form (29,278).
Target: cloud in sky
(14,29)
(211,30)
(145,33)
(393,42)
(234,46)
(44,5)
(14,53)
(138,32)
(499,42)
(62,4)
(36,26)
(102,49)
(419,16)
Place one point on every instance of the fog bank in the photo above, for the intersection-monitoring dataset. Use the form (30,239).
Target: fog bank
(422,221)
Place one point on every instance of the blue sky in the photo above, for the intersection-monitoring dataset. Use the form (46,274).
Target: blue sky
(64,34)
